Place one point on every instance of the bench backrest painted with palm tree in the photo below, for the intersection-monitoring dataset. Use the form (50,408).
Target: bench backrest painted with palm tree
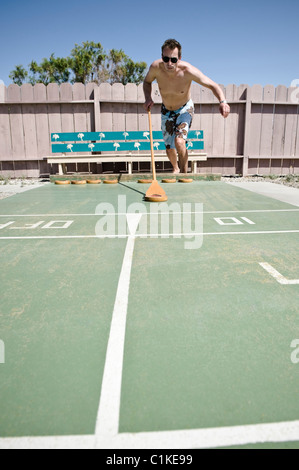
(127,141)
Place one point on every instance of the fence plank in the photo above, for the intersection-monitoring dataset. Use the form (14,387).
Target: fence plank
(16,123)
(267,121)
(106,114)
(118,109)
(290,125)
(53,109)
(140,93)
(256,120)
(5,142)
(80,118)
(66,109)
(29,124)
(279,119)
(131,116)
(42,124)
(230,143)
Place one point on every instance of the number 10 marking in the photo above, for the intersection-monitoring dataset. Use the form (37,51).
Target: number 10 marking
(233,221)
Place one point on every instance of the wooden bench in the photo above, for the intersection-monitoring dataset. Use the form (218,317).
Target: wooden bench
(129,147)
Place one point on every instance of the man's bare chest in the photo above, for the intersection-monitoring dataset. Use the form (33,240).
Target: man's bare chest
(173,85)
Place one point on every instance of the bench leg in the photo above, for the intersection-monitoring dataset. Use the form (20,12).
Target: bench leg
(129,168)
(194,167)
(62,169)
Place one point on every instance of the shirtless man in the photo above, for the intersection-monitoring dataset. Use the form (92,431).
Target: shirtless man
(174,78)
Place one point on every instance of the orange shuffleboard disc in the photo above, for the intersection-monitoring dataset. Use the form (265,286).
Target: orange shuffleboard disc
(156,198)
(145,181)
(186,180)
(79,182)
(110,181)
(62,182)
(169,180)
(93,181)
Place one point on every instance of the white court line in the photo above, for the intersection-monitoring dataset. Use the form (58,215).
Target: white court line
(151,235)
(285,431)
(207,438)
(279,277)
(151,213)
(109,406)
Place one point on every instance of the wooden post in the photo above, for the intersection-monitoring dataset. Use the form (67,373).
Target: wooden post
(247,131)
(97,109)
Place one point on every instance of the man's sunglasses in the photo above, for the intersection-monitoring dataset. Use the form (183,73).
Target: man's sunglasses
(167,59)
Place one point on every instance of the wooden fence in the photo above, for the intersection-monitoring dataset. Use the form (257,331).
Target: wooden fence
(261,135)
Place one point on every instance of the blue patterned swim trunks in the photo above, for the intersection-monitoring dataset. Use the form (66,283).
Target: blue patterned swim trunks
(176,123)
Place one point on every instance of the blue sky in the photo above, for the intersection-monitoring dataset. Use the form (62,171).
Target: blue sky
(229,41)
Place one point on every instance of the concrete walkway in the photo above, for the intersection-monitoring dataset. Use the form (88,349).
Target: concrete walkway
(18,186)
(276,191)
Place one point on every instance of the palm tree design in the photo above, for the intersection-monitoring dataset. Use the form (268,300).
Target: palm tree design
(126,134)
(56,136)
(102,136)
(137,145)
(189,145)
(146,135)
(116,146)
(156,145)
(69,147)
(198,134)
(91,146)
(80,136)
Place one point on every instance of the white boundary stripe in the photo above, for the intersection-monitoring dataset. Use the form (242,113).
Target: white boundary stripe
(151,235)
(109,406)
(279,277)
(151,213)
(285,431)
(48,442)
(210,437)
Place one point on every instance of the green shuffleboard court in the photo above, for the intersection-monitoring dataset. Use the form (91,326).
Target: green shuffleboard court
(129,324)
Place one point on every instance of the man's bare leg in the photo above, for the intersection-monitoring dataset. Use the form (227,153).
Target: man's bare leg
(172,155)
(183,154)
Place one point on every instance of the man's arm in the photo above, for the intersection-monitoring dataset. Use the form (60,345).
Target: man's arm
(147,86)
(205,81)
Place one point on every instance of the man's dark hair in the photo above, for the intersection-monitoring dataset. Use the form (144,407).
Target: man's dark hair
(172,44)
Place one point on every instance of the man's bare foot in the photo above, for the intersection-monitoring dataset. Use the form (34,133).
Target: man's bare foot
(176,171)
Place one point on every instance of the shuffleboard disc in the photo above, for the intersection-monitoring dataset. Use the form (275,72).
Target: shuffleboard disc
(110,181)
(79,182)
(156,198)
(169,180)
(145,181)
(185,180)
(62,182)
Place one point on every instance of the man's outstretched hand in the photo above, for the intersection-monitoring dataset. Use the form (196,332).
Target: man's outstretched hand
(224,109)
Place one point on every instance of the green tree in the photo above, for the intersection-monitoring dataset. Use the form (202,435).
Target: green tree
(122,69)
(87,63)
(52,70)
(18,75)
